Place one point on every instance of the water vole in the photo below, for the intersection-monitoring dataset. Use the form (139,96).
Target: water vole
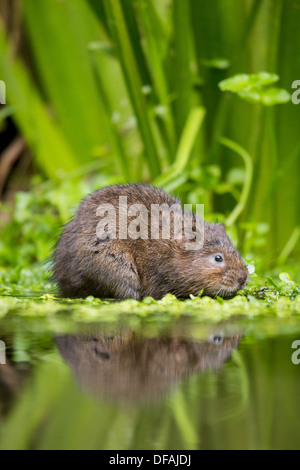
(122,266)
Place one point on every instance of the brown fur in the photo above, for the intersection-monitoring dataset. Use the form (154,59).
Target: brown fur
(85,265)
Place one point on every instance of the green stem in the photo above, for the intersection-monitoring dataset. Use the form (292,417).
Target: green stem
(187,141)
(115,139)
(155,52)
(133,80)
(248,179)
(287,250)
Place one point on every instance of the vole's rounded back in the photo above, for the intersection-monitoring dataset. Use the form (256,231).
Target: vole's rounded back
(138,260)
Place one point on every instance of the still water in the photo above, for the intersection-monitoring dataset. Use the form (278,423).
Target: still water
(147,385)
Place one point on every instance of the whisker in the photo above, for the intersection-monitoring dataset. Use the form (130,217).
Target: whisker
(218,293)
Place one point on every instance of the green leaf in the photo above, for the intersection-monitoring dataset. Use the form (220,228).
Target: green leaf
(41,132)
(243,81)
(252,88)
(273,96)
(236,176)
(285,277)
(217,63)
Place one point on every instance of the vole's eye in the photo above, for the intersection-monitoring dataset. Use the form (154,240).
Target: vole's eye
(219,258)
(217,339)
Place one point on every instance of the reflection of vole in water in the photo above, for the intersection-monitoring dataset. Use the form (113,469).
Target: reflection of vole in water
(85,264)
(129,366)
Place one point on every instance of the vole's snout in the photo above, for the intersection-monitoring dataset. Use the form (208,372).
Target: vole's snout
(243,279)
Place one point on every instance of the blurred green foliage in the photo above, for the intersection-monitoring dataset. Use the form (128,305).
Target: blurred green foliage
(175,93)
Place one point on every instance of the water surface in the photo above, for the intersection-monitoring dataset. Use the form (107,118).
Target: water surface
(134,384)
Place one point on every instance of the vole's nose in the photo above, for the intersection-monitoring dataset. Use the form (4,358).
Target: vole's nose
(242,278)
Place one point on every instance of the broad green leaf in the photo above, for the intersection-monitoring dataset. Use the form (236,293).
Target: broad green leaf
(252,88)
(244,82)
(272,96)
(59,34)
(285,277)
(44,137)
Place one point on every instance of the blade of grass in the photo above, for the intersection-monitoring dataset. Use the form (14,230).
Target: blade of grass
(112,128)
(132,77)
(180,69)
(155,50)
(131,21)
(187,141)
